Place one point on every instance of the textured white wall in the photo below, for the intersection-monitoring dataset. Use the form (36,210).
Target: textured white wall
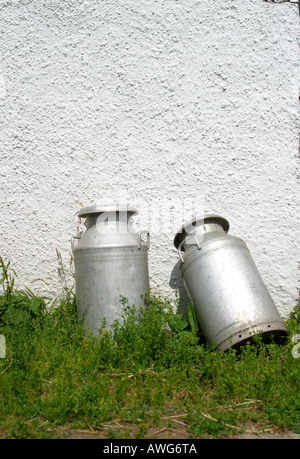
(171,105)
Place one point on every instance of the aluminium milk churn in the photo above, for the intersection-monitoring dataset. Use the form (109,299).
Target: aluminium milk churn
(230,298)
(111,260)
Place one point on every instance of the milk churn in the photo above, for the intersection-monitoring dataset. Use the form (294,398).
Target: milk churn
(111,260)
(230,298)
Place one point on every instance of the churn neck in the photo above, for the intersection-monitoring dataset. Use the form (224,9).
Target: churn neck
(113,214)
(206,222)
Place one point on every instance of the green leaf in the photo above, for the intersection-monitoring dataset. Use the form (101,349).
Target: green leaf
(192,318)
(177,322)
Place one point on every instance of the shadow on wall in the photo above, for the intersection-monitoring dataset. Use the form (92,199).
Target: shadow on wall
(177,284)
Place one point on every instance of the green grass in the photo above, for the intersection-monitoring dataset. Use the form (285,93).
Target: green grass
(150,374)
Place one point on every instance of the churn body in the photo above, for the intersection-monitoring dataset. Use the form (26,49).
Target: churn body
(111,260)
(230,298)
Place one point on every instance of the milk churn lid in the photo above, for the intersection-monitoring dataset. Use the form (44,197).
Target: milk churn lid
(100,208)
(199,221)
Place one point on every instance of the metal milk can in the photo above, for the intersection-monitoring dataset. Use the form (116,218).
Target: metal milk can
(111,260)
(230,298)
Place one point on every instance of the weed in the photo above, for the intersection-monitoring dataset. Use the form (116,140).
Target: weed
(155,335)
(7,280)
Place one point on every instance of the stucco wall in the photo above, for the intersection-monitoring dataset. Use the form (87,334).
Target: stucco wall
(175,106)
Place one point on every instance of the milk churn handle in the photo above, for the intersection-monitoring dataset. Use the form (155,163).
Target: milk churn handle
(78,236)
(181,244)
(140,238)
(179,251)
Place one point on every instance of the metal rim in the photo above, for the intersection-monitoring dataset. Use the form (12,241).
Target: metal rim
(199,221)
(101,208)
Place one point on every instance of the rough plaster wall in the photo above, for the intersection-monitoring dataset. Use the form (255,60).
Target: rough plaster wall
(176,106)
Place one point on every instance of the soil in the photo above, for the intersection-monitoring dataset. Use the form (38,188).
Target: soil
(169,433)
(180,433)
